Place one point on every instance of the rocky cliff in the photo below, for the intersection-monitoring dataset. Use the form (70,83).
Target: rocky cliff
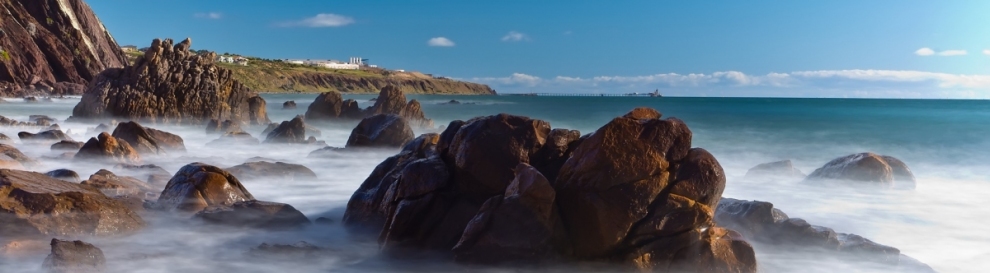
(52,46)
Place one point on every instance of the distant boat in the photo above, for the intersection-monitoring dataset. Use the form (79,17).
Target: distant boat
(656,94)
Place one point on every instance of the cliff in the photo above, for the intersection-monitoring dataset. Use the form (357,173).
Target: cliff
(274,76)
(53,46)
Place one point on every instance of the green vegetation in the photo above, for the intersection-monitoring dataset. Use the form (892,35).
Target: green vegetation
(50,21)
(5,55)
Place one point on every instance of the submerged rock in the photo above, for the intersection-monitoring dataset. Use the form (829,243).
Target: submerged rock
(40,205)
(873,169)
(289,105)
(381,131)
(288,132)
(171,84)
(67,145)
(106,147)
(10,153)
(255,214)
(74,256)
(197,186)
(50,135)
(64,175)
(264,169)
(121,186)
(235,138)
(776,169)
(149,173)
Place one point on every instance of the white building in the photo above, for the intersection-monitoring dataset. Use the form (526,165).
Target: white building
(338,65)
(226,59)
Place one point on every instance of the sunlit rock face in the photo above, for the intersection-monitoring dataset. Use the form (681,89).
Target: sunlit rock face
(634,193)
(198,186)
(866,169)
(174,85)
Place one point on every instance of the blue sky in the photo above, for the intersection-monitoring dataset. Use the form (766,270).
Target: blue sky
(697,48)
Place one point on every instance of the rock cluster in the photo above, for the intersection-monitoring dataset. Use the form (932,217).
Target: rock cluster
(634,193)
(171,84)
(332,106)
(381,131)
(390,101)
(106,147)
(873,169)
(148,141)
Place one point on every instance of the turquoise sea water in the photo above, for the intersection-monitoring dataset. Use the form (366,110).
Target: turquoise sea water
(945,142)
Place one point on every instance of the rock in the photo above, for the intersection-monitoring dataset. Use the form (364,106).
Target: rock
(4,139)
(255,214)
(514,228)
(291,132)
(100,128)
(235,138)
(121,186)
(41,118)
(391,100)
(170,85)
(10,164)
(150,173)
(67,145)
(331,106)
(761,222)
(197,186)
(778,169)
(30,99)
(8,152)
(324,221)
(51,135)
(327,152)
(557,149)
(24,248)
(40,205)
(279,170)
(289,105)
(292,252)
(381,131)
(218,127)
(873,169)
(65,175)
(484,151)
(63,46)
(454,102)
(106,147)
(268,129)
(148,141)
(74,256)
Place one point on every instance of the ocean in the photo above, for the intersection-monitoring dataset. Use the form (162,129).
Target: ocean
(946,143)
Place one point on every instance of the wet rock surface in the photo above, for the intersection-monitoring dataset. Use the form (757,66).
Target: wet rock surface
(35,204)
(113,185)
(633,193)
(107,148)
(197,186)
(44,136)
(10,153)
(382,131)
(149,173)
(265,169)
(391,100)
(867,169)
(65,175)
(170,84)
(289,105)
(331,106)
(148,141)
(74,257)
(255,214)
(777,169)
(288,132)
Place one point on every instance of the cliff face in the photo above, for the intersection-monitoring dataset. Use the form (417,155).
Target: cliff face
(267,76)
(53,46)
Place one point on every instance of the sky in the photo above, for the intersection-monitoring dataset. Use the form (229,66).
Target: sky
(835,48)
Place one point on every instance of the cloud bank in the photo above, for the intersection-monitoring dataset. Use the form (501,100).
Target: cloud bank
(821,83)
(924,51)
(440,42)
(320,20)
(515,36)
(208,15)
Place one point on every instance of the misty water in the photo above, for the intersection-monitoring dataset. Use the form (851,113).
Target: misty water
(945,142)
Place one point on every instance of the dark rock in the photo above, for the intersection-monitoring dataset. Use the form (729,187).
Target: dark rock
(381,131)
(67,145)
(171,85)
(30,99)
(778,169)
(65,175)
(293,251)
(327,152)
(289,105)
(217,127)
(106,147)
(197,186)
(147,140)
(41,118)
(255,214)
(873,169)
(36,204)
(150,173)
(74,256)
(235,138)
(121,186)
(452,102)
(324,221)
(292,132)
(51,135)
(557,149)
(263,169)
(331,106)
(391,100)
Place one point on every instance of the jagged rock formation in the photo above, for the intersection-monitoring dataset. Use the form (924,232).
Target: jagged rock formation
(147,140)
(35,204)
(74,256)
(391,100)
(171,84)
(106,147)
(290,131)
(383,131)
(52,47)
(331,106)
(873,169)
(634,193)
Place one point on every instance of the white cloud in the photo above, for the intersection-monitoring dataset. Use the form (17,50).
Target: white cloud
(515,36)
(924,51)
(440,41)
(986,52)
(208,15)
(821,83)
(954,52)
(321,20)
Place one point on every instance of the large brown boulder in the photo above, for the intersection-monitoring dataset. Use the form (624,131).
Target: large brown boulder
(197,186)
(291,132)
(867,168)
(277,170)
(52,46)
(391,100)
(330,106)
(74,256)
(148,141)
(255,214)
(106,147)
(381,131)
(35,204)
(170,84)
